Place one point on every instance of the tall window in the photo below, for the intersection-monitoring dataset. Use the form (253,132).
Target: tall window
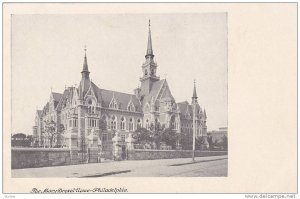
(75,123)
(91,107)
(122,123)
(139,124)
(113,122)
(130,124)
(106,121)
(147,124)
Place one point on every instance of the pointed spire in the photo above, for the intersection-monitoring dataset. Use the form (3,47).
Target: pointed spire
(195,92)
(149,52)
(85,70)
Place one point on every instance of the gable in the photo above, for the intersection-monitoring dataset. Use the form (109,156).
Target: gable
(165,92)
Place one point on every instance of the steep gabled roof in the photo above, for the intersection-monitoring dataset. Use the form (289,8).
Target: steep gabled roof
(122,98)
(46,109)
(97,92)
(155,89)
(63,100)
(56,96)
(185,107)
(39,113)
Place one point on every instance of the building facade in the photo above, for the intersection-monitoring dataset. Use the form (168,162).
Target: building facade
(77,112)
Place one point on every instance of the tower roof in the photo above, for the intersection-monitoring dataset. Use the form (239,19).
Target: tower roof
(149,52)
(85,68)
(195,92)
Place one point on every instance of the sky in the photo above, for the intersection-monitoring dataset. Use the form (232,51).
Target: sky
(48,52)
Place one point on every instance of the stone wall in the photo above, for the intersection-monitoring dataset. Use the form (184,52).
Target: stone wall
(39,157)
(142,154)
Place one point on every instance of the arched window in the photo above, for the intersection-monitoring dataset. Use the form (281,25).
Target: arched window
(131,107)
(130,124)
(147,108)
(122,123)
(91,107)
(146,72)
(106,121)
(147,124)
(139,124)
(113,122)
(113,104)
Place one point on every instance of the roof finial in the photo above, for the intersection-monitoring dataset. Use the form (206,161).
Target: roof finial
(149,23)
(194,93)
(85,71)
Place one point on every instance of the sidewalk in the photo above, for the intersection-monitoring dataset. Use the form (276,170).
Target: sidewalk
(216,165)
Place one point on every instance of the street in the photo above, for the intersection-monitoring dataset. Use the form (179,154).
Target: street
(202,167)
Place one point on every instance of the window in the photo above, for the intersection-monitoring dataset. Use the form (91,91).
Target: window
(146,72)
(92,123)
(113,122)
(113,104)
(75,123)
(147,124)
(122,124)
(70,123)
(91,109)
(130,124)
(147,108)
(131,107)
(138,125)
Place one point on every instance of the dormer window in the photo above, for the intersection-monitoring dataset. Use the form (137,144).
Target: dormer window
(130,107)
(147,107)
(113,104)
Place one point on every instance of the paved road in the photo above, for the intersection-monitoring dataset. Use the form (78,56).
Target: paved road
(204,166)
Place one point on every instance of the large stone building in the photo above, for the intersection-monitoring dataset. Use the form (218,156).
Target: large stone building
(77,111)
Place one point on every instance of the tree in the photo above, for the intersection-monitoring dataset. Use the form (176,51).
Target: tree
(50,131)
(102,127)
(186,140)
(199,143)
(142,136)
(210,141)
(156,132)
(224,142)
(169,137)
(21,140)
(60,132)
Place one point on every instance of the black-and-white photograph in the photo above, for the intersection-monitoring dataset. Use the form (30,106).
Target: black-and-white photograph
(119,95)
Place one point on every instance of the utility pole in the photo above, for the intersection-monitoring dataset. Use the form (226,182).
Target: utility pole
(194,130)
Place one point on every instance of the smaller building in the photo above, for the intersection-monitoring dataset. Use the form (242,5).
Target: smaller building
(218,135)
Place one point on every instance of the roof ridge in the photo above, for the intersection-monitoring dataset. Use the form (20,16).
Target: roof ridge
(116,91)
